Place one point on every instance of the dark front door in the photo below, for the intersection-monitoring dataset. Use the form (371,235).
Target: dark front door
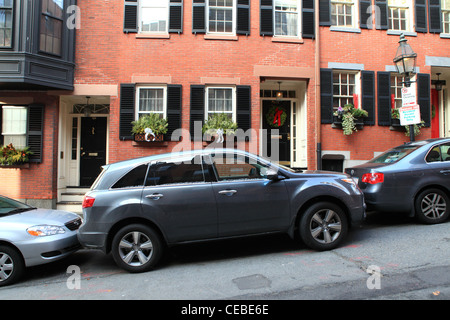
(93,149)
(277,116)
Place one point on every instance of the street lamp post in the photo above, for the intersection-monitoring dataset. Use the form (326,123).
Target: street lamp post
(405,61)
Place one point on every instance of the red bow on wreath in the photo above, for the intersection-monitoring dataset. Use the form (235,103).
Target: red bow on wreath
(277,116)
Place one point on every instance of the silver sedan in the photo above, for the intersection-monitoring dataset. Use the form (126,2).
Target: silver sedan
(31,236)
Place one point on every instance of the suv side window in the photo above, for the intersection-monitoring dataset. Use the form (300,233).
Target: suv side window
(236,167)
(171,171)
(134,178)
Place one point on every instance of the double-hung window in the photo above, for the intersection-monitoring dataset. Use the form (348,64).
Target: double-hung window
(445,9)
(6,23)
(342,13)
(344,87)
(221,16)
(400,15)
(153,16)
(396,90)
(51,27)
(151,100)
(287,18)
(14,126)
(220,100)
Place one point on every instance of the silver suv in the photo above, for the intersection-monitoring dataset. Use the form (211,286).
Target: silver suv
(136,208)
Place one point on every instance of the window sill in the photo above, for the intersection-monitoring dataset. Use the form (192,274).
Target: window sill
(399,32)
(287,40)
(15,166)
(345,29)
(150,144)
(445,35)
(152,36)
(220,37)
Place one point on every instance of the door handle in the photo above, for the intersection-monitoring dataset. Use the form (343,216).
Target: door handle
(445,171)
(154,196)
(227,192)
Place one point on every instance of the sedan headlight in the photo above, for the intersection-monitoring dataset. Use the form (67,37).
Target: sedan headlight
(45,230)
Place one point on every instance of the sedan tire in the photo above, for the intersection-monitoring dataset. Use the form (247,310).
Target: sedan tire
(137,248)
(432,206)
(323,226)
(11,265)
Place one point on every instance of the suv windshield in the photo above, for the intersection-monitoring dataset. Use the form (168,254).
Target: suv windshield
(395,154)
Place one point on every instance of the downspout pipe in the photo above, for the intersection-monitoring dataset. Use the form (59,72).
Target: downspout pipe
(317,85)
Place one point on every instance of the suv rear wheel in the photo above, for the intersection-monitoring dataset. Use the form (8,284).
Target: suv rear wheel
(137,248)
(323,226)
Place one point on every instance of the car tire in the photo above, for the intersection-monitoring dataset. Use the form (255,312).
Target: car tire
(432,206)
(137,248)
(323,226)
(12,265)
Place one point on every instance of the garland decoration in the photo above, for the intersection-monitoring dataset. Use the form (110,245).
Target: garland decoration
(276,116)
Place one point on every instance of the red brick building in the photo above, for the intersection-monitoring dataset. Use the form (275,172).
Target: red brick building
(187,59)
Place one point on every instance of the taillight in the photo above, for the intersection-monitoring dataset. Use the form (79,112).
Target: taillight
(88,202)
(373,177)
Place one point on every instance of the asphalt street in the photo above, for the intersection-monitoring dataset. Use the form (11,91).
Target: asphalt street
(390,257)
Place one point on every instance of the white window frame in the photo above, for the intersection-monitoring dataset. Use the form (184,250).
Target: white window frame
(233,27)
(8,136)
(356,87)
(139,113)
(299,21)
(161,4)
(407,5)
(445,14)
(233,101)
(354,15)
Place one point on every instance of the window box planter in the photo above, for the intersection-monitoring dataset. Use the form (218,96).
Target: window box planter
(337,122)
(15,166)
(141,138)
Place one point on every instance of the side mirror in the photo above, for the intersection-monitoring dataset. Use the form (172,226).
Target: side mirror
(273,175)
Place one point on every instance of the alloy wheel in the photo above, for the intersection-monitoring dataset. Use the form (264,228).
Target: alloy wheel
(325,226)
(433,206)
(135,248)
(6,266)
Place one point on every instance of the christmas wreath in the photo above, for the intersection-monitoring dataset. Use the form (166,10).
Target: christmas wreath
(276,116)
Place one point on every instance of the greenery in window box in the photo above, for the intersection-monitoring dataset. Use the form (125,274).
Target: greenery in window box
(348,114)
(219,121)
(10,156)
(152,121)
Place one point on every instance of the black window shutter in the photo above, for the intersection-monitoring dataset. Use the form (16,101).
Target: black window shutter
(365,14)
(35,131)
(244,107)
(434,7)
(424,96)
(381,15)
(326,95)
(384,98)
(308,19)
(130,23)
(324,12)
(266,18)
(197,110)
(243,17)
(176,16)
(1,122)
(368,95)
(421,15)
(198,16)
(127,107)
(174,94)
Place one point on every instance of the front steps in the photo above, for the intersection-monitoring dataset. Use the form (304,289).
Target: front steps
(71,199)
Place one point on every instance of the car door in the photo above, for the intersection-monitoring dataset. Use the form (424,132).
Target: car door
(247,202)
(183,202)
(438,164)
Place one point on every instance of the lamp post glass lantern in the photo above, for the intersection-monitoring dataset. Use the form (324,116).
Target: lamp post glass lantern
(405,61)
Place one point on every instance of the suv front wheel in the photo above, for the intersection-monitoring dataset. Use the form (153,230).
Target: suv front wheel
(323,226)
(137,248)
